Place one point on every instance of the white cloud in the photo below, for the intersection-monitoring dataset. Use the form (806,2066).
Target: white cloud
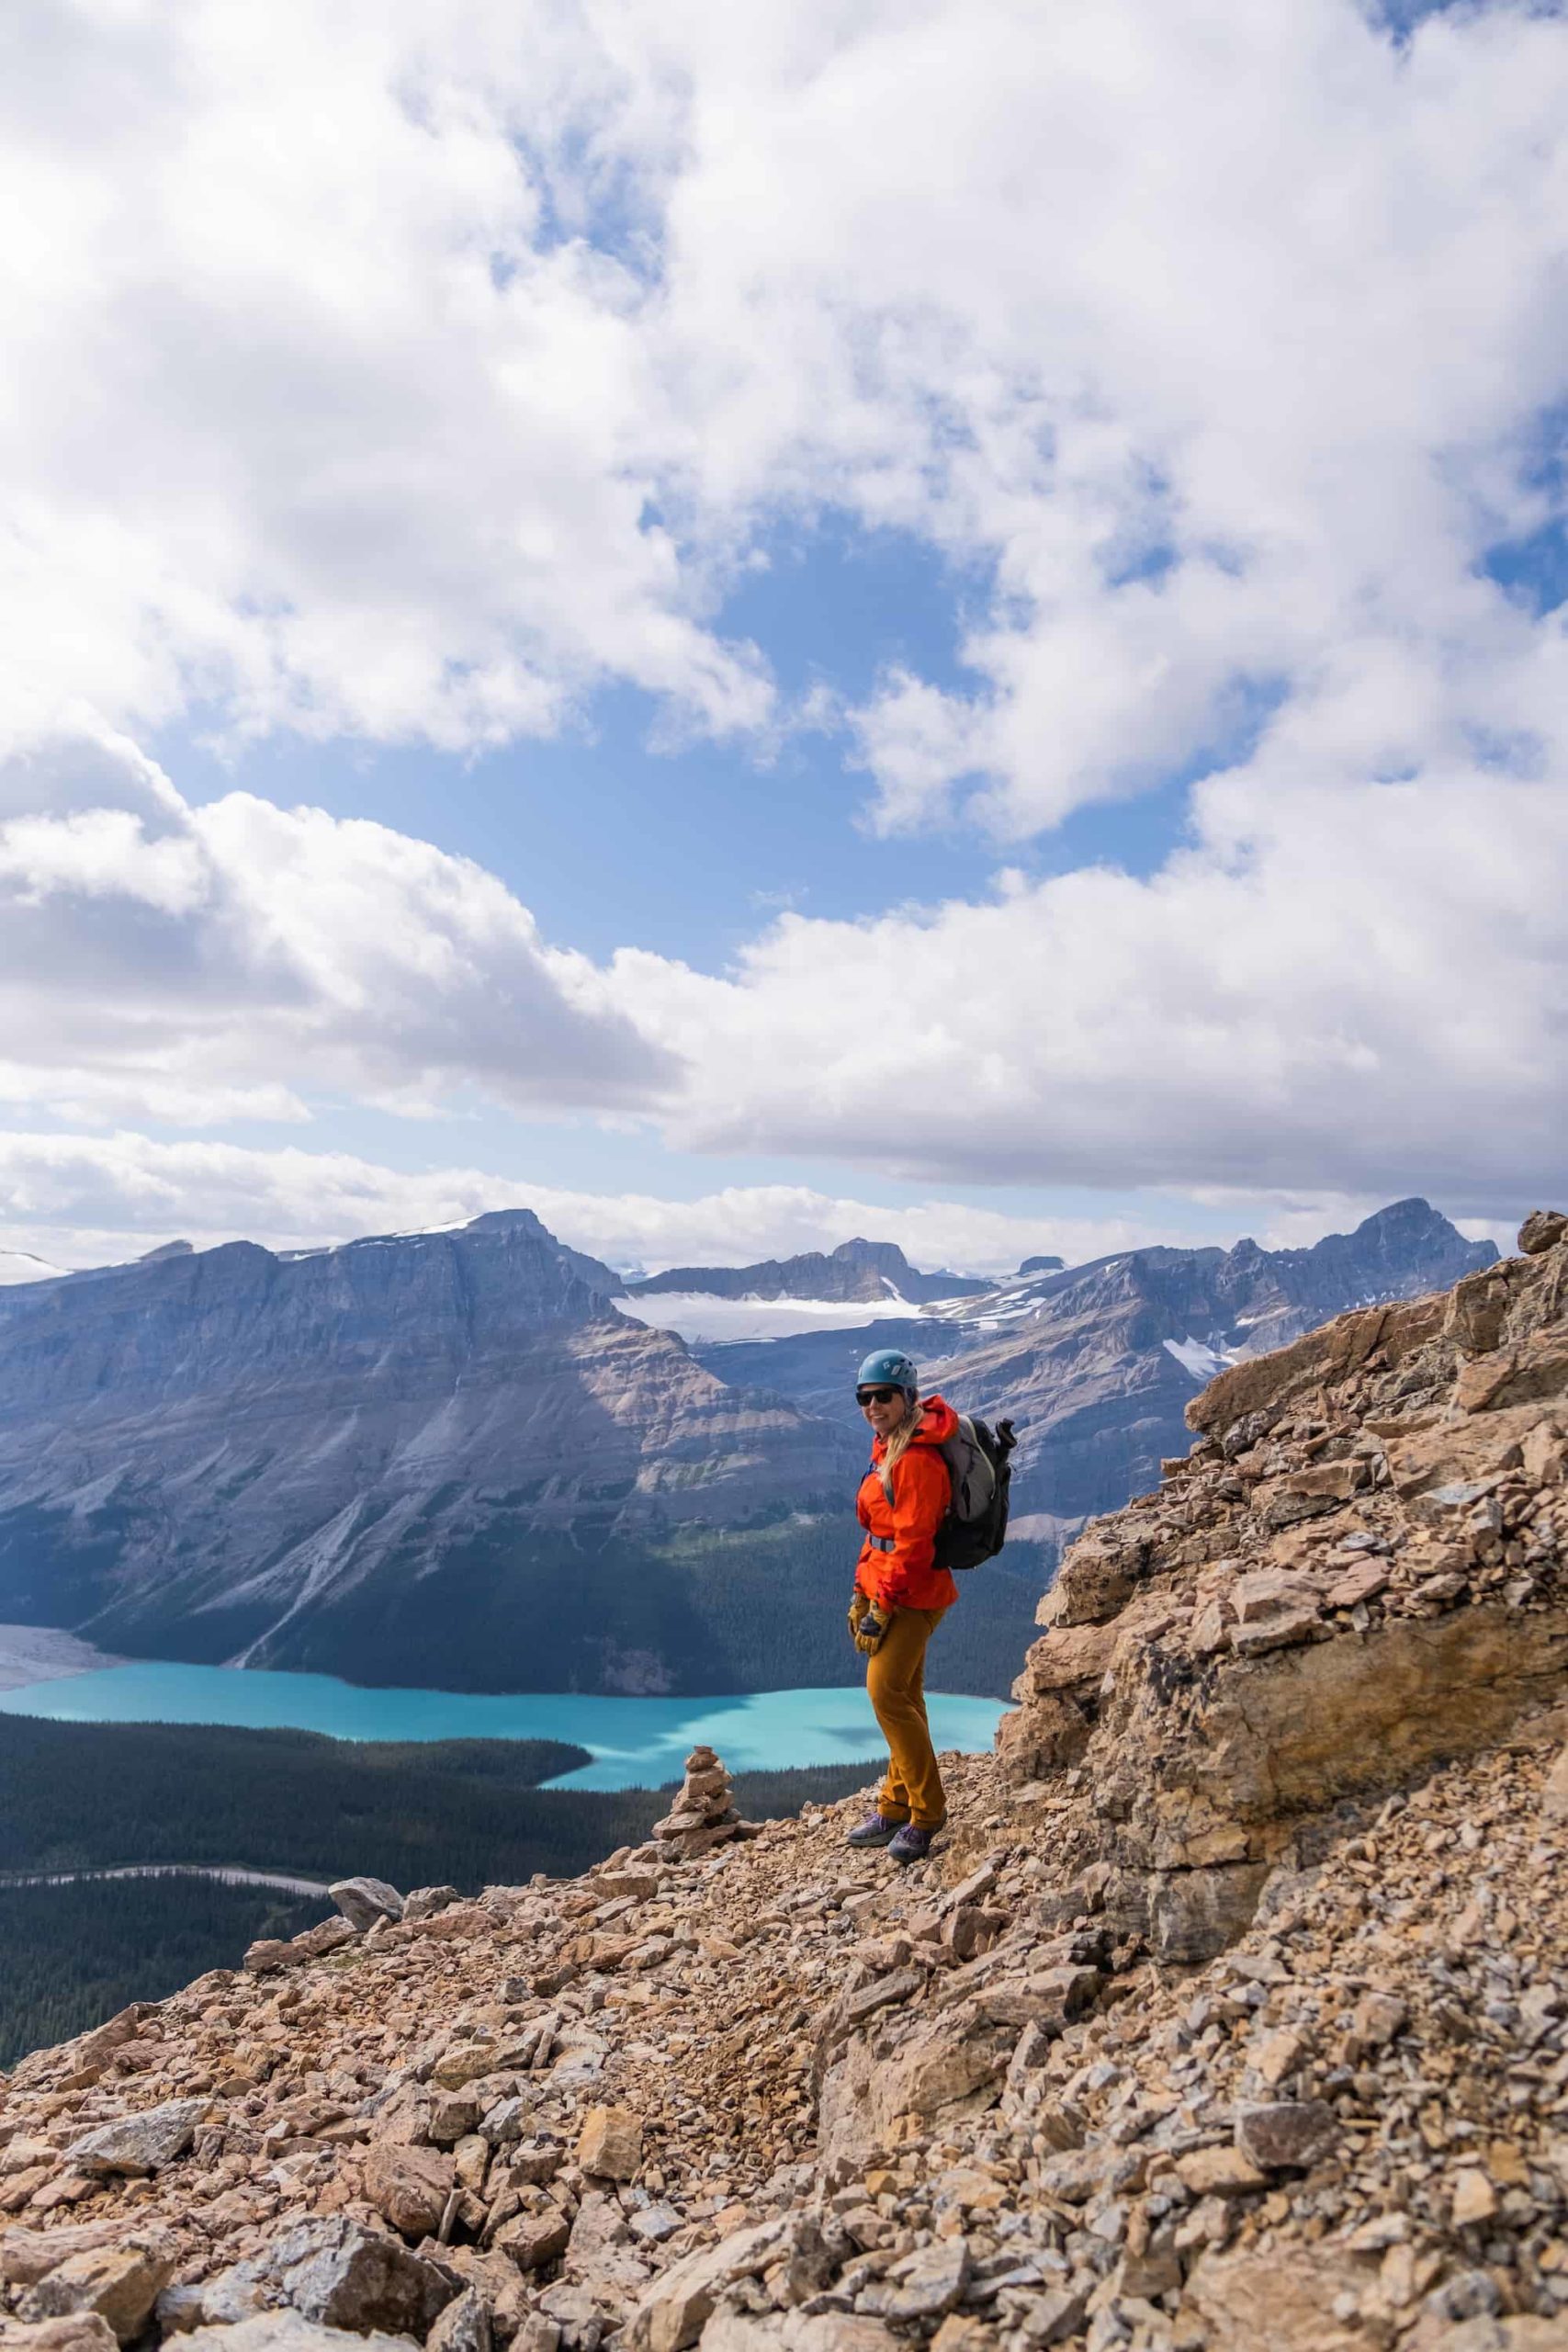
(202,965)
(410,370)
(1218,332)
(1353,993)
(314,416)
(94,1199)
(1359,991)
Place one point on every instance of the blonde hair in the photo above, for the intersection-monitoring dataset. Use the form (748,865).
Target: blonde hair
(902,1438)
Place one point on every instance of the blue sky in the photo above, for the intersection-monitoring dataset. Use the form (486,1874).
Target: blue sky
(951,621)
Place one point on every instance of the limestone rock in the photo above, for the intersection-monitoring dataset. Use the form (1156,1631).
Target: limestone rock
(678,2305)
(138,2143)
(463,2326)
(1335,1870)
(923,2286)
(1284,2301)
(27,2255)
(534,2239)
(288,2331)
(1542,1229)
(120,2283)
(1287,2133)
(611,2143)
(408,2186)
(336,2271)
(80,2332)
(1220,2172)
(424,1901)
(362,1901)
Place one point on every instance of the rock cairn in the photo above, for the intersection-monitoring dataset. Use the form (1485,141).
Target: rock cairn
(703,1814)
(1231,2017)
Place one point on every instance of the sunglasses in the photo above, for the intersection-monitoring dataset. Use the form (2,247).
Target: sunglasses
(876,1395)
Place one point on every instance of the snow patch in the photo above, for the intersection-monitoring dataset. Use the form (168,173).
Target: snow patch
(21,1266)
(1197,1357)
(695,1316)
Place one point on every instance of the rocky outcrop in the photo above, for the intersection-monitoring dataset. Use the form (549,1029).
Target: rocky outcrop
(389,1459)
(1233,2011)
(1357,1570)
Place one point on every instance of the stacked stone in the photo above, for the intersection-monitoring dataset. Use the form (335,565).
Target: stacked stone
(703,1814)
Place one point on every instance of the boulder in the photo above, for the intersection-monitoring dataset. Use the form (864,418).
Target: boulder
(426,1901)
(1287,2133)
(610,2144)
(672,2313)
(463,2326)
(138,2143)
(936,2066)
(362,1901)
(334,2271)
(408,2186)
(1284,2298)
(923,2286)
(288,2331)
(120,2283)
(534,2239)
(79,2331)
(26,2255)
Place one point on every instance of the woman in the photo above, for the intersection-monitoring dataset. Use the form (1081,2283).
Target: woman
(900,1594)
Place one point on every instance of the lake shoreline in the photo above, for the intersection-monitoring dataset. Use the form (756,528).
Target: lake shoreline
(631,1743)
(30,1654)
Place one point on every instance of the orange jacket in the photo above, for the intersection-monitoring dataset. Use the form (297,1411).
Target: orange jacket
(922,1491)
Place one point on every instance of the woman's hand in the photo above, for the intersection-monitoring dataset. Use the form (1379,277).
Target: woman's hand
(872,1627)
(859,1604)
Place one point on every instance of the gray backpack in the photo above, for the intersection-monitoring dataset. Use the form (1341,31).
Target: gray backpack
(980,1470)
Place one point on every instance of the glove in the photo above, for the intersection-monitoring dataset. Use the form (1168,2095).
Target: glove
(872,1629)
(859,1604)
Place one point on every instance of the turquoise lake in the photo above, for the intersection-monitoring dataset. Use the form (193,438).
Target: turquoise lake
(633,1742)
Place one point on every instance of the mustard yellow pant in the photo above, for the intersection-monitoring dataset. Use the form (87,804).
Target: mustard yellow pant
(895,1684)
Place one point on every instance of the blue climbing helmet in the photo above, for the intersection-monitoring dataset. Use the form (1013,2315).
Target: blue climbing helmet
(888,1368)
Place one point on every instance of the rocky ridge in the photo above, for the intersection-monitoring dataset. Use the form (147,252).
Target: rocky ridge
(855,1270)
(1233,2012)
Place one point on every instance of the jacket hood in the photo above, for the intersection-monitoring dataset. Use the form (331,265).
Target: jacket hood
(938,1423)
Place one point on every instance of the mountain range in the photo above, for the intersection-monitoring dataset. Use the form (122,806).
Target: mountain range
(477,1459)
(856,1269)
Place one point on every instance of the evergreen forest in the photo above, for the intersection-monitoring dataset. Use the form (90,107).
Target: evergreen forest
(98,1796)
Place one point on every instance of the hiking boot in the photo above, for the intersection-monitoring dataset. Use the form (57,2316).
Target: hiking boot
(911,1845)
(876,1831)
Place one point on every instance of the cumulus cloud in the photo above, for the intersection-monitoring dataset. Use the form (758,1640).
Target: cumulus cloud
(409,370)
(412,372)
(320,415)
(1356,989)
(1360,991)
(202,965)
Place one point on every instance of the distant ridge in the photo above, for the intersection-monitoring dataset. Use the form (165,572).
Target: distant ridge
(855,1270)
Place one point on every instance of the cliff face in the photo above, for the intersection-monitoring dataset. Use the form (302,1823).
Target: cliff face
(235,1453)
(1231,2016)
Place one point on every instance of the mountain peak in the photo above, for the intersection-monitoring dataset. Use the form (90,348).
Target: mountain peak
(879,1257)
(509,1221)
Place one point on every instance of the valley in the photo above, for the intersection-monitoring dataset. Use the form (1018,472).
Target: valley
(474,1459)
